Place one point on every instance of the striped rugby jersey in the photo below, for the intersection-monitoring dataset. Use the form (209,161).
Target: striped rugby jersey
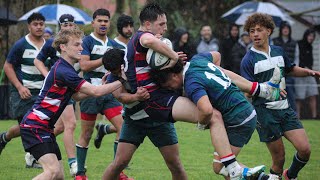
(95,48)
(59,86)
(138,71)
(21,56)
(258,66)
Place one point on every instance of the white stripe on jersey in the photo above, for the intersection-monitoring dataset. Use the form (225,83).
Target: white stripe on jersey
(283,104)
(30,69)
(41,115)
(30,53)
(265,65)
(96,81)
(100,69)
(54,102)
(139,115)
(32,84)
(141,70)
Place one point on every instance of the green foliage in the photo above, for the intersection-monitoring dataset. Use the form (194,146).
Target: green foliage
(147,163)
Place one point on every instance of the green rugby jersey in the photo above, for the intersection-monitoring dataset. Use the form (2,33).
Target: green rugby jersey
(258,66)
(95,48)
(21,56)
(202,77)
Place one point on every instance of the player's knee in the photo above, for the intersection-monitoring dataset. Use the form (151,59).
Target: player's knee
(70,127)
(305,152)
(87,135)
(121,164)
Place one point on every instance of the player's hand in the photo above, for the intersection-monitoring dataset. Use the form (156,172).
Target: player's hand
(104,78)
(159,36)
(123,74)
(142,94)
(24,93)
(182,56)
(314,73)
(283,93)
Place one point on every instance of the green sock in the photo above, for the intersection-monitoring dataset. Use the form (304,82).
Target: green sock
(115,147)
(296,165)
(71,160)
(81,159)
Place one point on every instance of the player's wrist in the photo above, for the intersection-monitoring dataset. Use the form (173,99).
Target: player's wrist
(123,81)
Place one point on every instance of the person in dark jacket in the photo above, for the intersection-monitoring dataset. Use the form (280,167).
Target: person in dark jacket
(291,49)
(238,51)
(226,46)
(182,42)
(306,87)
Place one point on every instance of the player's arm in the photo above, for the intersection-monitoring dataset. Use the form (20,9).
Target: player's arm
(216,58)
(11,74)
(88,89)
(303,72)
(150,41)
(41,67)
(205,110)
(124,97)
(88,65)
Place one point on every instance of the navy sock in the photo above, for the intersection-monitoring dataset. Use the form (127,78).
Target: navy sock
(296,165)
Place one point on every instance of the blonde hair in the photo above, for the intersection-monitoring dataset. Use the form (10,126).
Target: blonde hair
(64,36)
(261,19)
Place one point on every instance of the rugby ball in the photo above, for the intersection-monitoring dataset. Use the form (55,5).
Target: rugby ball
(157,60)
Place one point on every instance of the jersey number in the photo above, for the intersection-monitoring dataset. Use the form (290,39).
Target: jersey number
(225,81)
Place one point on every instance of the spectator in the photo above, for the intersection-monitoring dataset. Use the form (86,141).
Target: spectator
(306,87)
(207,41)
(226,47)
(181,42)
(238,51)
(291,49)
(47,33)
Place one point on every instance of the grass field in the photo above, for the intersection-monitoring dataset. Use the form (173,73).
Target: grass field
(147,164)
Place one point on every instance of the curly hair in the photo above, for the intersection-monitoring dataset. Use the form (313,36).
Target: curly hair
(261,19)
(64,36)
(113,59)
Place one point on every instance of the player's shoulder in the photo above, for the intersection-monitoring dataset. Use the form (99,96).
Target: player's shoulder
(21,42)
(278,49)
(115,44)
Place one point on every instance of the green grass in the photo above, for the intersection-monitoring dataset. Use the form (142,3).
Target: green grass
(147,163)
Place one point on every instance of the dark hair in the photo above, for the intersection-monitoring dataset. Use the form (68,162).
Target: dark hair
(35,16)
(162,76)
(261,19)
(284,24)
(150,12)
(123,21)
(113,59)
(307,33)
(101,12)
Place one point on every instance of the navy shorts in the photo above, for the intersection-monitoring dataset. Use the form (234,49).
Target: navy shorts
(45,148)
(33,136)
(159,106)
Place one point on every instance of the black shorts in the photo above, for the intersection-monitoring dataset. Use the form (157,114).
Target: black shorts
(45,148)
(159,106)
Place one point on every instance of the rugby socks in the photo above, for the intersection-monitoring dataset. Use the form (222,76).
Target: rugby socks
(296,165)
(3,138)
(115,147)
(273,172)
(106,129)
(81,158)
(71,160)
(231,164)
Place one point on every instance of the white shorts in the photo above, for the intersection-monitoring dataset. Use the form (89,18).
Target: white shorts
(305,87)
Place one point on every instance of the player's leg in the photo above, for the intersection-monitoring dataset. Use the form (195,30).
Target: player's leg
(299,139)
(69,121)
(87,126)
(102,130)
(89,109)
(132,135)
(113,113)
(168,147)
(5,137)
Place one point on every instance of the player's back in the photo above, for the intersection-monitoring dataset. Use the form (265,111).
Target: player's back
(201,73)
